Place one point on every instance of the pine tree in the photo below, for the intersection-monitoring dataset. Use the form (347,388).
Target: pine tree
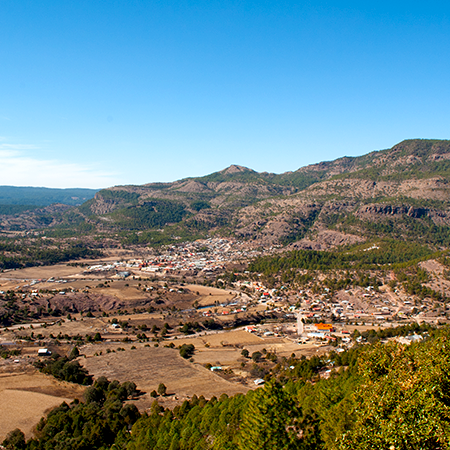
(268,420)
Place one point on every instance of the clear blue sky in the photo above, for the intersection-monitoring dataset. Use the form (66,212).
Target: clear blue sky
(97,93)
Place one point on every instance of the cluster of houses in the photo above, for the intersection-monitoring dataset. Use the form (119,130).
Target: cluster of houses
(203,255)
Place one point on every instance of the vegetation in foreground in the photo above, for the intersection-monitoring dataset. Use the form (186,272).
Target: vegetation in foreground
(408,408)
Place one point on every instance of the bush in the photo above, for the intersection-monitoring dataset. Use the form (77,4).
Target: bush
(256,356)
(74,353)
(162,389)
(187,350)
(14,440)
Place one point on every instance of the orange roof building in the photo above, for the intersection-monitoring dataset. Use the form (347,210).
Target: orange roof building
(324,327)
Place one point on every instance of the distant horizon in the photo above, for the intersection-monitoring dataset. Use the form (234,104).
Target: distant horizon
(221,170)
(193,176)
(46,187)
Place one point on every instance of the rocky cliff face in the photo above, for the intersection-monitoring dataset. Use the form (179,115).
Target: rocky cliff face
(405,185)
(102,206)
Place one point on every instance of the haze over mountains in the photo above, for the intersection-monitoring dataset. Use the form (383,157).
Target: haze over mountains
(401,192)
(42,196)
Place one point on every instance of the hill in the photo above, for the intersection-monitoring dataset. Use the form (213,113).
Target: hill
(401,193)
(17,199)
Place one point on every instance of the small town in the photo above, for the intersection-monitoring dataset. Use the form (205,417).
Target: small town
(224,225)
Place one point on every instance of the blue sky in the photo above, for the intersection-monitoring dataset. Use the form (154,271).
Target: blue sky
(100,93)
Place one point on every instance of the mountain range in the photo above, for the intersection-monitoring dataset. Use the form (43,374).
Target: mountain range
(402,193)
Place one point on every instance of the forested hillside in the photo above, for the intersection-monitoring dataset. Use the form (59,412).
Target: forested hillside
(378,396)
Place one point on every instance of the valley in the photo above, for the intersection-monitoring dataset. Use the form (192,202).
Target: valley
(128,316)
(205,289)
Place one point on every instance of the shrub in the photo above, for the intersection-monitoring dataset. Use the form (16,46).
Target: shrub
(187,350)
(162,389)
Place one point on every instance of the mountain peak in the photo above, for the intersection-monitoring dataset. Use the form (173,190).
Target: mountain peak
(235,169)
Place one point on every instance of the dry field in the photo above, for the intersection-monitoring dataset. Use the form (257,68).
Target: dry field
(150,366)
(240,339)
(209,295)
(36,273)
(84,326)
(25,397)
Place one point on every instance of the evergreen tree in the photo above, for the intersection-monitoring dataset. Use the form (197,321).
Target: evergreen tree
(14,440)
(268,421)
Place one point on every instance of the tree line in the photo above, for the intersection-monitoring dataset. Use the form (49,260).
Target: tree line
(297,409)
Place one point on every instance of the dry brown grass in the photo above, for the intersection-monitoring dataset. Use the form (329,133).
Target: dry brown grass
(150,366)
(209,295)
(26,397)
(42,272)
(221,338)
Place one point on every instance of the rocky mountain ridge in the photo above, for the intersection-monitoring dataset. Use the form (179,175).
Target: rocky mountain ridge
(402,192)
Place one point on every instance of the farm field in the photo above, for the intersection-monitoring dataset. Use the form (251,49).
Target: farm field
(42,272)
(226,346)
(209,295)
(26,396)
(150,366)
